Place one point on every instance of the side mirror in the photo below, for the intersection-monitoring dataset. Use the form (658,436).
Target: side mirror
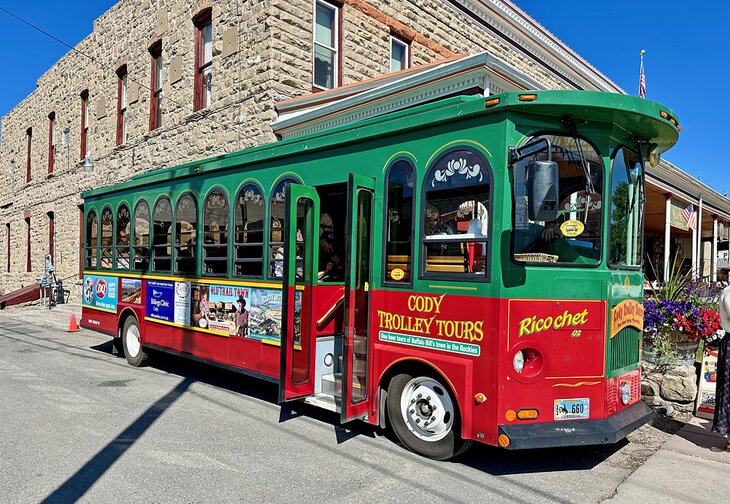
(542,190)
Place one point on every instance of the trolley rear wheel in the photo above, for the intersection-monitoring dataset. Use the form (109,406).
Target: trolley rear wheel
(131,339)
(424,416)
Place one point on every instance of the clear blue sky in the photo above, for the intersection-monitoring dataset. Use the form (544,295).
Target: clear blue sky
(688,50)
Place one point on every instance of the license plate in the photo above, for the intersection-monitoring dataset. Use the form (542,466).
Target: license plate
(571,409)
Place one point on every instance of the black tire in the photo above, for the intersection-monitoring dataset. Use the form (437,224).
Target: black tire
(444,448)
(141,358)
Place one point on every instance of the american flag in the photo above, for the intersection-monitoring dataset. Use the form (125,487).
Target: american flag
(690,217)
(642,79)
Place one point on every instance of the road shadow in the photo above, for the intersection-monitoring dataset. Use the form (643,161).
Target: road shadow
(491,460)
(500,462)
(78,484)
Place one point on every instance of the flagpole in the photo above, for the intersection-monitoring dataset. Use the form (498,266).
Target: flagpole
(642,79)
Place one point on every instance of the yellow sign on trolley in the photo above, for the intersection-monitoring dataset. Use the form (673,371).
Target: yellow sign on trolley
(572,228)
(627,313)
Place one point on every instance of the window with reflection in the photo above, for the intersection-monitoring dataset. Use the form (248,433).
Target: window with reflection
(162,236)
(92,239)
(122,238)
(107,224)
(627,209)
(186,227)
(248,237)
(141,238)
(575,236)
(215,234)
(277,215)
(456,215)
(399,221)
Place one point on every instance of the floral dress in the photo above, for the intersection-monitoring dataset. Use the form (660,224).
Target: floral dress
(721,422)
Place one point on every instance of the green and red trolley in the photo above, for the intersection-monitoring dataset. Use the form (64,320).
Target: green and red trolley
(467,269)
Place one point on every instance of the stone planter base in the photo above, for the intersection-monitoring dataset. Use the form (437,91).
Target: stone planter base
(669,387)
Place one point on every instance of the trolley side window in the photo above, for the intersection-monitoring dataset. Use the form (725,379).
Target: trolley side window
(248,235)
(92,235)
(277,215)
(162,235)
(455,216)
(186,228)
(215,234)
(141,236)
(399,222)
(107,225)
(122,237)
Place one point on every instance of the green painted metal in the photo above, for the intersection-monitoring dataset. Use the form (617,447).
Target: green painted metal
(421,133)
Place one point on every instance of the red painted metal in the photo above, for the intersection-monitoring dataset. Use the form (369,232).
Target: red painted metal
(24,295)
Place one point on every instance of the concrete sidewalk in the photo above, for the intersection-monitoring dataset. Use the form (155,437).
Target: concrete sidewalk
(691,467)
(57,318)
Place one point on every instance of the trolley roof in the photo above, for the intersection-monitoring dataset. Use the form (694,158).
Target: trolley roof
(638,117)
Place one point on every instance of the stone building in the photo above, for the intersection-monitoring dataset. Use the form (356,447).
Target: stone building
(162,82)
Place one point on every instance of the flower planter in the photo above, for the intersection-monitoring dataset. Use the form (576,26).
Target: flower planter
(685,351)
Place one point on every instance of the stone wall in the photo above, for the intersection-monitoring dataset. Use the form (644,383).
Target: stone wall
(669,388)
(262,53)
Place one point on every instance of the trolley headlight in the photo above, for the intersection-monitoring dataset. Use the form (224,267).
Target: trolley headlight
(625,390)
(519,361)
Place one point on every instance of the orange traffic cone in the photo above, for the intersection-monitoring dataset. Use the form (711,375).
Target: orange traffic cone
(73,326)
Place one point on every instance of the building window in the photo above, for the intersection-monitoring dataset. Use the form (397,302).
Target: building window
(156,86)
(186,227)
(326,45)
(456,215)
(27,246)
(121,105)
(141,237)
(92,233)
(51,140)
(203,60)
(399,219)
(248,238)
(107,230)
(399,55)
(51,236)
(122,238)
(162,235)
(277,215)
(7,235)
(215,234)
(84,121)
(29,140)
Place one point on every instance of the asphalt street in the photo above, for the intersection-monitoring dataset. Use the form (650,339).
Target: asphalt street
(79,424)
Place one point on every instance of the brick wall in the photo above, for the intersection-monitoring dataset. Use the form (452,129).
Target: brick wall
(262,52)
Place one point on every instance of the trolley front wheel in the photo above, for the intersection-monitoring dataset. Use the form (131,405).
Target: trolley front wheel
(424,416)
(131,339)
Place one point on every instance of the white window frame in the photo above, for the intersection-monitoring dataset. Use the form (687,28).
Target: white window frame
(336,48)
(407,51)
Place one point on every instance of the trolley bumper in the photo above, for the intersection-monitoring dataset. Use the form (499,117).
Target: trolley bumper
(577,432)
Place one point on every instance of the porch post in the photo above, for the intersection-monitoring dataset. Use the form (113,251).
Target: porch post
(700,263)
(667,233)
(714,248)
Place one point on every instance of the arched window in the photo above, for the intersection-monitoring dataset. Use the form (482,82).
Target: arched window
(123,245)
(92,239)
(215,234)
(107,238)
(399,221)
(162,235)
(186,228)
(456,215)
(248,238)
(141,239)
(277,215)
